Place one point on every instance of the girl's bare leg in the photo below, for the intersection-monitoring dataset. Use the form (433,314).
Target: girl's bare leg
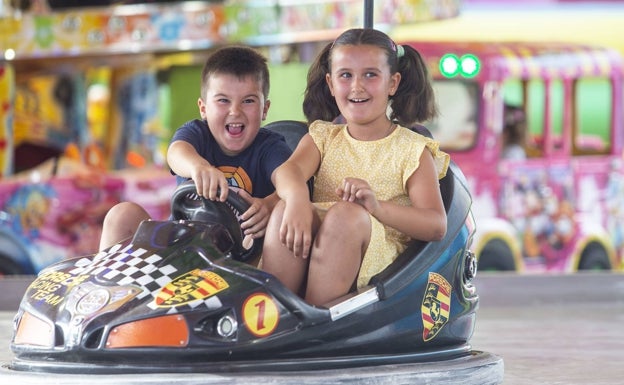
(121,222)
(277,259)
(337,252)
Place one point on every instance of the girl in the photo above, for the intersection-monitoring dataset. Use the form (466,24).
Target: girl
(375,181)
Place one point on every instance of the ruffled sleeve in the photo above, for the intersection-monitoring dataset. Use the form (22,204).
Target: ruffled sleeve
(441,158)
(418,143)
(322,131)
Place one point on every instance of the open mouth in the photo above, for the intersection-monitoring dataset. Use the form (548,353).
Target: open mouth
(234,128)
(358,100)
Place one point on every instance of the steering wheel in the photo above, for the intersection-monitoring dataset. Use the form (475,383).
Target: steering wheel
(186,204)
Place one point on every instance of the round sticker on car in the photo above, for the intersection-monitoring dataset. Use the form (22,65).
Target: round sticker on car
(260,314)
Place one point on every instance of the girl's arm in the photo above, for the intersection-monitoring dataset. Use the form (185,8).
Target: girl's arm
(290,183)
(290,178)
(425,219)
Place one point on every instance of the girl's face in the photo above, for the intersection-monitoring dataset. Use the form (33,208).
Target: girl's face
(234,109)
(361,82)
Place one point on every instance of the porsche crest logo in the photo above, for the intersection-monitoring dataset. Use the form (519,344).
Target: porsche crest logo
(194,285)
(436,305)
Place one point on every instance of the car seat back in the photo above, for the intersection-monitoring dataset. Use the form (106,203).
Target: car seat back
(292,130)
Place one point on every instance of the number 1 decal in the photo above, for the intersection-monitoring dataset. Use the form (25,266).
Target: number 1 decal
(260,314)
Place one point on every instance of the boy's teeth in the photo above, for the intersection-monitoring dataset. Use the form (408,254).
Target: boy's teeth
(234,128)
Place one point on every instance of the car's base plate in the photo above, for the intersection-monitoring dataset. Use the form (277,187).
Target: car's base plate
(475,368)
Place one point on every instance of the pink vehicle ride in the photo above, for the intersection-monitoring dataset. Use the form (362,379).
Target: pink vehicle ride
(45,218)
(538,131)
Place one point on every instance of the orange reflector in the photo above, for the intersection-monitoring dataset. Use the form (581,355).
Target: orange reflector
(34,331)
(135,159)
(170,330)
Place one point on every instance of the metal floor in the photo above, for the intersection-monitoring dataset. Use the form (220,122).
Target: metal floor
(562,329)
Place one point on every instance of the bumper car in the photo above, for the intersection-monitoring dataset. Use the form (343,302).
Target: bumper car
(180,296)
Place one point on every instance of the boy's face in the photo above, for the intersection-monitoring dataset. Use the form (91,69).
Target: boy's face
(234,109)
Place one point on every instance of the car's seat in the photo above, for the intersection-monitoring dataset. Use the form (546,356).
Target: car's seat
(292,130)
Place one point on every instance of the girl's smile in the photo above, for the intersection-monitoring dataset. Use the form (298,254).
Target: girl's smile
(361,82)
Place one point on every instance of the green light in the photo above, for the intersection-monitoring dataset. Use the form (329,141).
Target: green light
(470,65)
(449,65)
(467,66)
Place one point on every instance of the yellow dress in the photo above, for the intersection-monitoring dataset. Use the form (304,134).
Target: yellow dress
(386,164)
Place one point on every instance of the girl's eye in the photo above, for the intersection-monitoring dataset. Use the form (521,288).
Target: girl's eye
(345,75)
(371,74)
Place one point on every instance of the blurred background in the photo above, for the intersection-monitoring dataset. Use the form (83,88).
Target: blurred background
(529,93)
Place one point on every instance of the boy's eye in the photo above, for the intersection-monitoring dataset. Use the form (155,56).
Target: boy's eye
(249,101)
(222,100)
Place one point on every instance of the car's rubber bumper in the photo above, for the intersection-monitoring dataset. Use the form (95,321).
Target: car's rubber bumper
(472,369)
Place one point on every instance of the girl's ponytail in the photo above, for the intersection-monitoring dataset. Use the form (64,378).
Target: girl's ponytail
(318,102)
(414,100)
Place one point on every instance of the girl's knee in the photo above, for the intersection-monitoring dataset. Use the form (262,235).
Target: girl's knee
(274,223)
(347,215)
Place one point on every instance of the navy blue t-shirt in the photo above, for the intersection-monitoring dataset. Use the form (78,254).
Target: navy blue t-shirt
(251,169)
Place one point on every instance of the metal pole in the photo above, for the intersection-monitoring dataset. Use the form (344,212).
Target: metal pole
(368,13)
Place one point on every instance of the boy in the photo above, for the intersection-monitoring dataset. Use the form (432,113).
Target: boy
(227,147)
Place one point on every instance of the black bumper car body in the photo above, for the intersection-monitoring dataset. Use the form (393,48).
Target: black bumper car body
(176,297)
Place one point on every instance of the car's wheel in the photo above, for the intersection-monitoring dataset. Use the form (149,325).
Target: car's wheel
(496,256)
(594,257)
(9,266)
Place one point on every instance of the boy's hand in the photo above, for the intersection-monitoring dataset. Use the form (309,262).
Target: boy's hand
(255,219)
(208,180)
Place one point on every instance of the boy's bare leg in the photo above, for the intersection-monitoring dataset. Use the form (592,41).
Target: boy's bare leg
(121,222)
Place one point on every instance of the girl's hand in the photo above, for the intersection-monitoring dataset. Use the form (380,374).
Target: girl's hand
(296,228)
(358,191)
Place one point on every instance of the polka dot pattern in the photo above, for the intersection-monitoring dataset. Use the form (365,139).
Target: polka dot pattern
(386,164)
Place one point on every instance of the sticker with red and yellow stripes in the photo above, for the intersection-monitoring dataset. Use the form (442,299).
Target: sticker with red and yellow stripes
(436,305)
(194,285)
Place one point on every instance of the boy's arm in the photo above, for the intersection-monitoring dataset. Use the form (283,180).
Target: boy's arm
(187,163)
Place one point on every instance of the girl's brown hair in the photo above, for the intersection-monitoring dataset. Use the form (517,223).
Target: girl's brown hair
(413,101)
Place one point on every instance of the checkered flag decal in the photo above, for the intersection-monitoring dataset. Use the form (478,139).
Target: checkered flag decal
(125,266)
(128,267)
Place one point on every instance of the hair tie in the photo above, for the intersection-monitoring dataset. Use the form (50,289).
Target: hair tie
(400,51)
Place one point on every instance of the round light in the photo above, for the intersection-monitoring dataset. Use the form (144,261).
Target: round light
(449,65)
(93,301)
(470,65)
(9,54)
(226,326)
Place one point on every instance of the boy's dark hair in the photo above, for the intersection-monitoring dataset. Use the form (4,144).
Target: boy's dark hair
(413,101)
(238,61)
